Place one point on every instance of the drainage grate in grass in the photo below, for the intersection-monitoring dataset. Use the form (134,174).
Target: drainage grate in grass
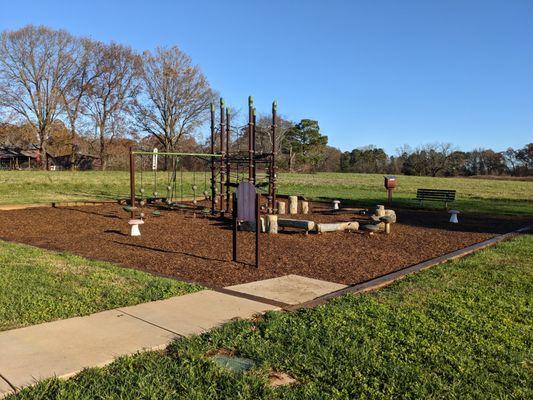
(235,364)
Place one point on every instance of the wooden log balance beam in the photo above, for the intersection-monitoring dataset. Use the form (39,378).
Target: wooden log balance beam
(296,223)
(337,226)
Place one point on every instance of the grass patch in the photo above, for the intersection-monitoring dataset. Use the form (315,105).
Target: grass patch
(38,286)
(460,330)
(483,196)
(473,195)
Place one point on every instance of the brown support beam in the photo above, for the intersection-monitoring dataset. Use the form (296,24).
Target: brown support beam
(132,183)
(234,230)
(257,226)
(254,144)
(223,153)
(213,183)
(272,171)
(250,144)
(228,176)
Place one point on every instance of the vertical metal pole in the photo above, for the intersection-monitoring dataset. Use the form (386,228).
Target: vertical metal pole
(272,172)
(254,150)
(257,226)
(228,177)
(132,183)
(234,231)
(213,188)
(222,152)
(250,129)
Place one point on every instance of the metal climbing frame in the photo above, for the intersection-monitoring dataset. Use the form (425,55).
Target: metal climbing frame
(225,162)
(229,162)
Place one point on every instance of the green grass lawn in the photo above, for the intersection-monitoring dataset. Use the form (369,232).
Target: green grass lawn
(460,330)
(38,285)
(473,195)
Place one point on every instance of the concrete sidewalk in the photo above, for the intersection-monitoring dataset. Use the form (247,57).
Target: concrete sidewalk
(65,347)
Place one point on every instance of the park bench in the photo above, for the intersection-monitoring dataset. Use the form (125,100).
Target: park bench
(447,196)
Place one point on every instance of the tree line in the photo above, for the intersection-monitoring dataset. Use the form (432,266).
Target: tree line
(52,81)
(66,94)
(440,159)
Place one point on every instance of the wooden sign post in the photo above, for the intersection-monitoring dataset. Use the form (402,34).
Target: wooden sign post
(246,208)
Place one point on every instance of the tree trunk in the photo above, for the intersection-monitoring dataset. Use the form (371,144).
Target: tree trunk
(42,150)
(73,159)
(103,149)
(291,159)
(168,149)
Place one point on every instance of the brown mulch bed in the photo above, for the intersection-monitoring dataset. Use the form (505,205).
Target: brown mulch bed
(199,249)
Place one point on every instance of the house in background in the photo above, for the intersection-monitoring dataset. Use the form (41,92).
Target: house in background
(12,157)
(81,161)
(16,158)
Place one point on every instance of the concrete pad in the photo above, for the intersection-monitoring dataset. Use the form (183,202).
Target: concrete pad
(289,289)
(5,389)
(63,348)
(196,313)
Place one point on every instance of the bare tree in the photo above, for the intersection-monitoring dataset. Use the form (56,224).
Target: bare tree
(112,91)
(437,156)
(35,65)
(87,67)
(175,96)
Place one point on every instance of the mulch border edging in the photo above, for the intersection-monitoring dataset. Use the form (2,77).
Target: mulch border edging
(388,279)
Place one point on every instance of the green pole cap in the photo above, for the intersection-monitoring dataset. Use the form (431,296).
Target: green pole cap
(274,105)
(250,101)
(221,102)
(212,107)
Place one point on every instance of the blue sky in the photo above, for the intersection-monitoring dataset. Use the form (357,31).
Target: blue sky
(371,72)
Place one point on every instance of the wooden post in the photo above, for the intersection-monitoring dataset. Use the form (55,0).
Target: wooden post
(132,183)
(305,207)
(257,227)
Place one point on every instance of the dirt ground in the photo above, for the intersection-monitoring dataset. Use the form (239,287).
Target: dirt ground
(198,249)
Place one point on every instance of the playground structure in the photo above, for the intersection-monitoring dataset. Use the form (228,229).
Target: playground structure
(235,183)
(227,167)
